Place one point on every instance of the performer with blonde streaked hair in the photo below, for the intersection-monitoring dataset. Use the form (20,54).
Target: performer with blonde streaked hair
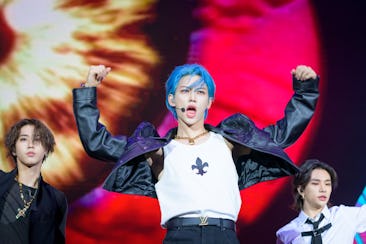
(31,211)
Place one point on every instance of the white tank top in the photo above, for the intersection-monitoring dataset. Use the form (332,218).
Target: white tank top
(199,180)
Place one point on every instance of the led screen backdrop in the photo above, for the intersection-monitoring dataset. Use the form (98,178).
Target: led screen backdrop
(249,47)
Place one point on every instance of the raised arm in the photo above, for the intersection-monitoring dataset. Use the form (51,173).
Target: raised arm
(96,74)
(299,109)
(94,136)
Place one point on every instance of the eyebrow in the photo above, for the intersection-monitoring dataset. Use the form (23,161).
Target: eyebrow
(26,135)
(318,180)
(195,86)
(23,135)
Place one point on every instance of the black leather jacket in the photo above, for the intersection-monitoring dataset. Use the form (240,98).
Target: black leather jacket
(132,173)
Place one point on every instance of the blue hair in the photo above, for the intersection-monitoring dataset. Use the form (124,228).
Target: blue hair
(183,70)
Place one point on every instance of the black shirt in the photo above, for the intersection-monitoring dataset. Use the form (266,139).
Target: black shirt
(13,230)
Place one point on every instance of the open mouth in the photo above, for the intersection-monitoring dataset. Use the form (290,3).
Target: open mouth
(191,111)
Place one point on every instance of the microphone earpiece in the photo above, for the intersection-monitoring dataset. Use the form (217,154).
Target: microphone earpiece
(181,109)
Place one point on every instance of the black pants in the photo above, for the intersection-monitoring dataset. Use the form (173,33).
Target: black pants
(208,234)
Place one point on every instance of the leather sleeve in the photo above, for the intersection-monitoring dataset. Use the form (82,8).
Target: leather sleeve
(94,136)
(298,113)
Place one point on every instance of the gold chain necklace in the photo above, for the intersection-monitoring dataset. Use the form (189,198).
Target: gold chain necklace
(21,212)
(191,139)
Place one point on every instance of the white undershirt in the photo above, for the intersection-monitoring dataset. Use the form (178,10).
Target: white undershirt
(185,191)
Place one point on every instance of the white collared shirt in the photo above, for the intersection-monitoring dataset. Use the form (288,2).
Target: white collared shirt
(346,222)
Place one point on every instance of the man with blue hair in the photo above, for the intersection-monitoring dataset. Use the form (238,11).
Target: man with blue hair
(191,70)
(196,171)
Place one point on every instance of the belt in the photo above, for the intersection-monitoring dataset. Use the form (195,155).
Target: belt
(201,221)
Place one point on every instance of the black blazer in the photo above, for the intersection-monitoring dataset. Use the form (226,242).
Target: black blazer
(47,215)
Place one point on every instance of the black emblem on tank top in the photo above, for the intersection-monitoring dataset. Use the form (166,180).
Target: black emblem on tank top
(199,166)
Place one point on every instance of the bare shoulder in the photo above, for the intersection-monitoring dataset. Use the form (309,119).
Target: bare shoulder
(156,162)
(237,149)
